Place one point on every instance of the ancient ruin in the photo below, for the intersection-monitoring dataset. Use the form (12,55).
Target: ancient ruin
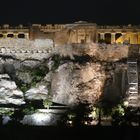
(78,32)
(45,68)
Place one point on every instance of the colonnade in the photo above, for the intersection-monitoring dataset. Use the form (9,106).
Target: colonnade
(119,37)
(113,36)
(14,35)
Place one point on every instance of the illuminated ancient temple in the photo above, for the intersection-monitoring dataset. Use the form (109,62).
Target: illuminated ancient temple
(78,32)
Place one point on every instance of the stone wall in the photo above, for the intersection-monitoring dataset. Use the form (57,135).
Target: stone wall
(78,32)
(24,48)
(26,53)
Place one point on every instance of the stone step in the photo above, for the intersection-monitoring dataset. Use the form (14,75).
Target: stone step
(132,98)
(133,95)
(132,102)
(134,105)
(133,92)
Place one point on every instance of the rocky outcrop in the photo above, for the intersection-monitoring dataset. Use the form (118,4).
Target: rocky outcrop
(75,83)
(79,73)
(100,52)
(37,93)
(9,92)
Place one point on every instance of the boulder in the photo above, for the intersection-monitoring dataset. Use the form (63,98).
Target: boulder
(74,83)
(43,117)
(9,94)
(37,93)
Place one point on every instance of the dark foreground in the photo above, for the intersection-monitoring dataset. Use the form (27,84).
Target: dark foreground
(19,132)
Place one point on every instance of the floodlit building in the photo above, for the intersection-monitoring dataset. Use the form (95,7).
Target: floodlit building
(78,32)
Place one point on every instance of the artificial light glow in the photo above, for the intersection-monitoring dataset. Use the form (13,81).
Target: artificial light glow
(70,122)
(85,123)
(90,115)
(126,103)
(39,119)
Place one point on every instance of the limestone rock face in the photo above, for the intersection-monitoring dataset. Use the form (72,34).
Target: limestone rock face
(91,83)
(24,76)
(72,74)
(62,89)
(48,77)
(37,93)
(7,84)
(29,63)
(100,52)
(74,83)
(9,93)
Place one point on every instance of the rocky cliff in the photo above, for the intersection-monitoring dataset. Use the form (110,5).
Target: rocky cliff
(72,74)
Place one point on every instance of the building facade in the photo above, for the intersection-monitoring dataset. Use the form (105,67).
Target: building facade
(78,32)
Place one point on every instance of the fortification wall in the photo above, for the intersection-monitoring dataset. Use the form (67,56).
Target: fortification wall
(23,48)
(26,53)
(25,43)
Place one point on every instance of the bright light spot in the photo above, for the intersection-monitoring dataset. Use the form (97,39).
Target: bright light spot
(126,103)
(39,119)
(94,115)
(85,123)
(70,122)
(90,115)
(94,122)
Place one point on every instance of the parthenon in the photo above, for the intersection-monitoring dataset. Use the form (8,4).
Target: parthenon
(78,32)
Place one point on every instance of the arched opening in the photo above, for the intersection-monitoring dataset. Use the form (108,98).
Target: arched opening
(10,35)
(117,35)
(21,35)
(108,38)
(1,35)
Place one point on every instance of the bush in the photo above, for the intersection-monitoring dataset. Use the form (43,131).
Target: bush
(23,87)
(56,60)
(47,103)
(6,112)
(29,110)
(38,74)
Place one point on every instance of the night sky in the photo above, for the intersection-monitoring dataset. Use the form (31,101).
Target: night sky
(109,12)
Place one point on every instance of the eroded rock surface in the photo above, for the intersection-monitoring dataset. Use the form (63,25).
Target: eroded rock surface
(73,74)
(75,83)
(37,93)
(9,92)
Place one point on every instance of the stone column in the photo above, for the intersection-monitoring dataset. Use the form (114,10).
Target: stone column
(15,35)
(87,38)
(5,35)
(124,37)
(76,36)
(135,38)
(26,35)
(102,36)
(97,38)
(113,38)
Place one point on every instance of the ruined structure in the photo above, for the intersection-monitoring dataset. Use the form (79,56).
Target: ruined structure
(68,65)
(78,32)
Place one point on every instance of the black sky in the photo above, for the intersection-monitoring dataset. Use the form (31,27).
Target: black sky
(68,11)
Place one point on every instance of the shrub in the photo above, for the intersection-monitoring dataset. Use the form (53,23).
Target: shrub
(29,110)
(23,87)
(47,103)
(6,112)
